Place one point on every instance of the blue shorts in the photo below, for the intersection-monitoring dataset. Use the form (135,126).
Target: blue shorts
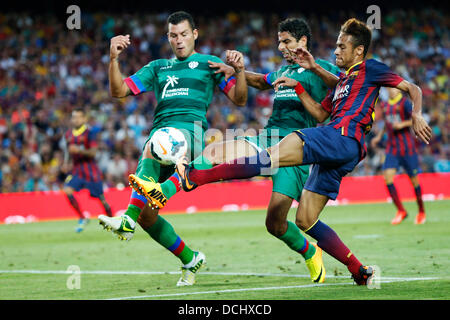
(332,155)
(409,162)
(75,182)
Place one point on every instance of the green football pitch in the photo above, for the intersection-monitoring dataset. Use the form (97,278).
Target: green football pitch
(244,262)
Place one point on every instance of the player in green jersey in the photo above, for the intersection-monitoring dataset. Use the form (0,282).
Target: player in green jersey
(183,87)
(288,115)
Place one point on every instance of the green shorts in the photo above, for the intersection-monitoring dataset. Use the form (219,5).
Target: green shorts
(288,180)
(196,144)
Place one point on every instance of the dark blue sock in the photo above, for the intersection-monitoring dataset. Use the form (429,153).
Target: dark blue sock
(330,242)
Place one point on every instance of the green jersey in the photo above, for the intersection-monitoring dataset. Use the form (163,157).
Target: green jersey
(183,88)
(288,112)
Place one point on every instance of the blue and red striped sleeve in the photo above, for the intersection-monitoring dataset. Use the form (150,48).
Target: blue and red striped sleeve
(135,84)
(381,75)
(225,86)
(267,78)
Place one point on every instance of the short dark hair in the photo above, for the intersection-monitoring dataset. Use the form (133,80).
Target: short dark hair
(360,32)
(79,109)
(180,16)
(297,28)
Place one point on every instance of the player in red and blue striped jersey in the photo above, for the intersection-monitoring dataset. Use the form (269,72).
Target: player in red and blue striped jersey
(335,149)
(400,151)
(85,174)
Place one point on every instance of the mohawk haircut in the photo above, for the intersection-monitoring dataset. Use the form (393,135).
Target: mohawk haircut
(297,28)
(180,16)
(360,32)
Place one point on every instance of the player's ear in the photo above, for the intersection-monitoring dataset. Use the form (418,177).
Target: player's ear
(303,42)
(195,32)
(360,50)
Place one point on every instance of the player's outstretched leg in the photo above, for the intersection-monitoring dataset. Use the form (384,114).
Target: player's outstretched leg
(159,193)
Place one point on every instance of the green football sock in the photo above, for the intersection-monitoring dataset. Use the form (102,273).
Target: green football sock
(297,242)
(149,169)
(163,233)
(172,185)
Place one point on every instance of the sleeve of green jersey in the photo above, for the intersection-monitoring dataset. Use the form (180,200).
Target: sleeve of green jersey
(142,80)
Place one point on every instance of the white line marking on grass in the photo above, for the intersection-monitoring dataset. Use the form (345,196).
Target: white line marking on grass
(231,290)
(383,280)
(258,289)
(203,273)
(367,236)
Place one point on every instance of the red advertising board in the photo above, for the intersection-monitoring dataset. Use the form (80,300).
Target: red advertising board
(224,196)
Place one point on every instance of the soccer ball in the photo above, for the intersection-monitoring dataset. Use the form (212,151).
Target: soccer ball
(167,145)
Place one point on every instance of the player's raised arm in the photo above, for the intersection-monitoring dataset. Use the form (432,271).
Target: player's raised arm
(420,126)
(305,59)
(313,107)
(239,93)
(117,86)
(257,80)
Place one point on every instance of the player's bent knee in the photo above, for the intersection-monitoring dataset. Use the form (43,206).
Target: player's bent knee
(213,153)
(147,154)
(275,228)
(147,218)
(304,223)
(68,191)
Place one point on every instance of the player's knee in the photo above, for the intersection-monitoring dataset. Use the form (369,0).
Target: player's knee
(68,191)
(213,153)
(144,223)
(147,218)
(147,154)
(303,222)
(276,227)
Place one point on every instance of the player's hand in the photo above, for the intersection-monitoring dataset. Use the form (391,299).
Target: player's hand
(303,58)
(235,59)
(228,71)
(118,44)
(73,149)
(421,128)
(284,82)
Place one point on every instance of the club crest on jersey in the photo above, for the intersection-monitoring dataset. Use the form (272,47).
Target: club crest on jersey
(353,75)
(193,64)
(300,70)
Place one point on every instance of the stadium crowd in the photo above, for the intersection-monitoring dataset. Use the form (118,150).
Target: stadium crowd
(47,70)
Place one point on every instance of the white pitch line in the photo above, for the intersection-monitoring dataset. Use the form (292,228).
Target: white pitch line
(258,289)
(384,280)
(231,290)
(203,273)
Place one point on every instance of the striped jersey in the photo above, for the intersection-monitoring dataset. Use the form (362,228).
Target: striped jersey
(84,167)
(288,112)
(183,88)
(400,142)
(351,103)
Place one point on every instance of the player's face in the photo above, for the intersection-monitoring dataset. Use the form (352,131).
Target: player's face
(346,54)
(288,42)
(182,39)
(78,119)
